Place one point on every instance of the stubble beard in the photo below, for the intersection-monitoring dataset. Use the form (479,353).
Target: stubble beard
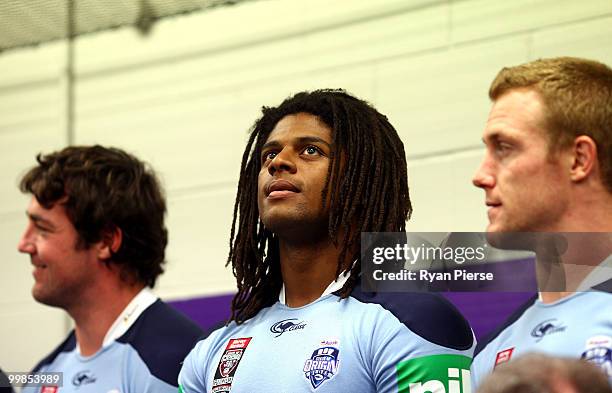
(300,227)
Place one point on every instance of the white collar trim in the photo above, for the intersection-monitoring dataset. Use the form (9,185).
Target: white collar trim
(128,316)
(334,286)
(601,273)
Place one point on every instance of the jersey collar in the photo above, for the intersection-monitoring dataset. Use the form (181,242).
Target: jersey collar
(601,273)
(127,317)
(334,286)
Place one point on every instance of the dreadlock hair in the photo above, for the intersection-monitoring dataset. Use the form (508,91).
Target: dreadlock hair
(370,195)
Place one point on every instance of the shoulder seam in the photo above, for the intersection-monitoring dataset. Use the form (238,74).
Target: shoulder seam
(509,321)
(457,318)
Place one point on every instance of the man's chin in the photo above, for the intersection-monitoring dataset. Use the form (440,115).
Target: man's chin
(497,226)
(296,227)
(493,227)
(515,227)
(45,298)
(284,225)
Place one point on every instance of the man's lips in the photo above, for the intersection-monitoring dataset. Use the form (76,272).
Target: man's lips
(492,204)
(280,188)
(37,264)
(493,208)
(38,268)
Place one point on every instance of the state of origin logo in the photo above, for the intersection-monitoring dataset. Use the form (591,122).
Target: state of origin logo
(323,364)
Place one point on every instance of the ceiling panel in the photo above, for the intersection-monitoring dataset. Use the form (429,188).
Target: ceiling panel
(31,22)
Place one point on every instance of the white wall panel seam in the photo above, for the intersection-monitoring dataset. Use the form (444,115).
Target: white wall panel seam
(250,42)
(531,30)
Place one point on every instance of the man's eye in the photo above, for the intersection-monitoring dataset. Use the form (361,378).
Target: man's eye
(269,155)
(503,148)
(41,230)
(311,150)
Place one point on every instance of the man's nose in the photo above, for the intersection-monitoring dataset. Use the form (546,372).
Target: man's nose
(283,161)
(484,178)
(26,244)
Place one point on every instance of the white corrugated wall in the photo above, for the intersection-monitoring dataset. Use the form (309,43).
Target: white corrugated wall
(184,97)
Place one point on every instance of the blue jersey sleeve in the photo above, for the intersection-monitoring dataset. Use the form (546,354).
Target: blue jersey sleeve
(192,377)
(420,343)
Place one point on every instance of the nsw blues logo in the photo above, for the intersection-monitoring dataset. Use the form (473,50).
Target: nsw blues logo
(83,378)
(323,364)
(286,325)
(545,328)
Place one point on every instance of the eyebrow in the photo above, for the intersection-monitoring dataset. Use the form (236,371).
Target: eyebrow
(493,137)
(39,220)
(301,140)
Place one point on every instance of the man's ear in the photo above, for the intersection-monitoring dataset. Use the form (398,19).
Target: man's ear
(585,158)
(110,243)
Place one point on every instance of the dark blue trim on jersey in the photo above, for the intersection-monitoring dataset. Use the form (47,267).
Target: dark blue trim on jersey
(511,319)
(68,345)
(605,286)
(163,337)
(429,315)
(5,385)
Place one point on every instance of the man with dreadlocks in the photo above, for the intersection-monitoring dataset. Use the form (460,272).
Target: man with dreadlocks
(317,171)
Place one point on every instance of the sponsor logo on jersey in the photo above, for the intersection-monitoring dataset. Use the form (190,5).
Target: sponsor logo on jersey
(435,373)
(224,375)
(287,325)
(599,351)
(83,378)
(547,327)
(49,389)
(323,364)
(503,356)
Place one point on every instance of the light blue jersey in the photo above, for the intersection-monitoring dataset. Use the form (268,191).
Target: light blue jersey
(577,326)
(365,343)
(146,357)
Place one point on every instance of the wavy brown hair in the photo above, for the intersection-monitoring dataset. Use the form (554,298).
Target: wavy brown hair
(104,189)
